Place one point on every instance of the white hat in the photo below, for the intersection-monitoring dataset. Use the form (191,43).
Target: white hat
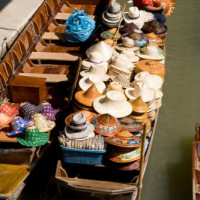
(103,48)
(137,17)
(127,44)
(114,8)
(95,59)
(113,103)
(151,53)
(142,90)
(95,71)
(131,55)
(87,82)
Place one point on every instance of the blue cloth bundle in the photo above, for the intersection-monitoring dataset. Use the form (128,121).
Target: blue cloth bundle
(79,26)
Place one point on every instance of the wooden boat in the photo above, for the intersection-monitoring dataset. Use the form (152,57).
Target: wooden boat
(42,51)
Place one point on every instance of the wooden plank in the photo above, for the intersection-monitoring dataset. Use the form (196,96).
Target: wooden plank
(65,16)
(54,36)
(50,78)
(53,56)
(4,138)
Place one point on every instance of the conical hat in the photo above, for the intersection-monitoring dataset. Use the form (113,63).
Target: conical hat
(153,38)
(103,48)
(8,110)
(113,103)
(111,34)
(138,105)
(151,66)
(87,97)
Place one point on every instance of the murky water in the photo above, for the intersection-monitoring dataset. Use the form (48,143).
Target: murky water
(169,171)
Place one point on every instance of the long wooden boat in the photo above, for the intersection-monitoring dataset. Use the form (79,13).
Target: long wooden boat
(41,51)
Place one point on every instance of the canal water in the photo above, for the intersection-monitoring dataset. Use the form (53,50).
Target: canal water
(169,171)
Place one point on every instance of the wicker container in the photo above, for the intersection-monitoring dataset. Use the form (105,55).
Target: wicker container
(82,156)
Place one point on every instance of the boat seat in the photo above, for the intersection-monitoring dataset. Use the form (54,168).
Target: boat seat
(64,16)
(53,56)
(54,36)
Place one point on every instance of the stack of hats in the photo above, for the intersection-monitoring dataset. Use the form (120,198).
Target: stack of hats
(84,99)
(125,147)
(139,110)
(113,103)
(79,128)
(153,38)
(122,79)
(127,44)
(95,59)
(86,82)
(106,125)
(111,16)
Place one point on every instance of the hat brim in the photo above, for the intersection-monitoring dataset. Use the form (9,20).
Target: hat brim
(124,109)
(120,48)
(149,57)
(139,22)
(104,77)
(50,126)
(79,128)
(128,92)
(72,135)
(86,64)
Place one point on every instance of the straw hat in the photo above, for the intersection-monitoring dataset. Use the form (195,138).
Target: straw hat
(110,42)
(111,34)
(88,115)
(95,71)
(48,111)
(95,59)
(153,38)
(127,44)
(151,53)
(114,8)
(151,66)
(139,106)
(129,124)
(130,55)
(78,107)
(87,97)
(138,117)
(129,166)
(138,17)
(27,109)
(122,79)
(42,124)
(103,48)
(33,137)
(79,128)
(124,155)
(113,103)
(17,126)
(140,89)
(106,125)
(86,82)
(116,86)
(124,139)
(8,110)
(4,120)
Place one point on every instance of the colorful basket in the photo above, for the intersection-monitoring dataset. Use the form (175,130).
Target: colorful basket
(82,156)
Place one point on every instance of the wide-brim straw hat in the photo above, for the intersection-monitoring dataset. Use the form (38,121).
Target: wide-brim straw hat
(129,124)
(72,134)
(111,34)
(131,56)
(103,48)
(106,125)
(153,38)
(95,71)
(120,48)
(116,86)
(86,82)
(33,137)
(88,115)
(124,139)
(87,97)
(113,103)
(122,79)
(124,155)
(151,53)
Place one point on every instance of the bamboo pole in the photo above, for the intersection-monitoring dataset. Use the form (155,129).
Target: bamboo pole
(142,162)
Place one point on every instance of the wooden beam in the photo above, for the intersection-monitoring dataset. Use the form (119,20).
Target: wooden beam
(65,16)
(54,36)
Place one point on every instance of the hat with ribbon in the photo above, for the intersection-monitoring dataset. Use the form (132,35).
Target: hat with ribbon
(32,137)
(124,139)
(8,110)
(113,103)
(87,97)
(103,48)
(27,109)
(124,155)
(86,82)
(42,124)
(88,115)
(95,59)
(106,125)
(79,128)
(4,120)
(48,111)
(17,126)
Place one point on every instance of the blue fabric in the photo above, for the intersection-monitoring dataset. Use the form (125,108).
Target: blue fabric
(160,17)
(79,26)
